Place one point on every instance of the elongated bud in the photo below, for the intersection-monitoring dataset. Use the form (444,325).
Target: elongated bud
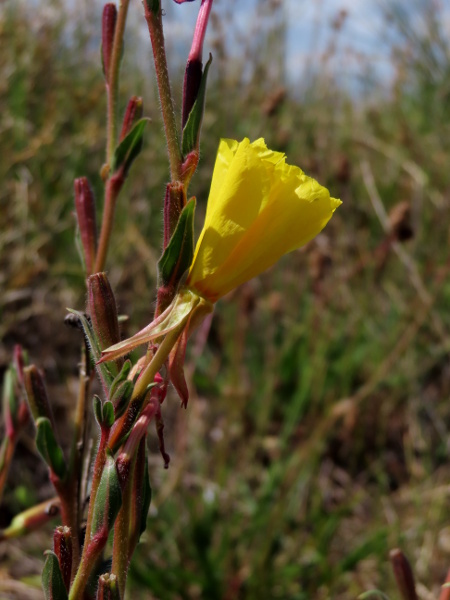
(194,68)
(31,519)
(62,547)
(109,19)
(103,312)
(108,499)
(108,588)
(403,575)
(37,394)
(86,216)
(52,579)
(133,113)
(174,202)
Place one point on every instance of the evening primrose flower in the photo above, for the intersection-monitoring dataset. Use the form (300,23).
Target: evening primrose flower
(259,208)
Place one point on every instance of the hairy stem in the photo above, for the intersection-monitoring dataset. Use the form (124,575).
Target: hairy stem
(155,28)
(112,189)
(112,86)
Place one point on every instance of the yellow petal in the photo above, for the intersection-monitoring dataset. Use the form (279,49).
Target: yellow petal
(259,208)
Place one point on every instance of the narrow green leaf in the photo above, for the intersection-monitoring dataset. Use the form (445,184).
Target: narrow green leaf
(98,410)
(146,499)
(178,255)
(106,372)
(52,579)
(191,131)
(129,148)
(373,594)
(108,499)
(49,448)
(108,414)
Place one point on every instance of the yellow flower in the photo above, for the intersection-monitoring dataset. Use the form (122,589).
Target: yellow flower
(259,208)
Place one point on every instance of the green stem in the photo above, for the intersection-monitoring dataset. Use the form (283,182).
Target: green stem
(92,553)
(96,477)
(76,457)
(155,28)
(112,189)
(148,374)
(113,80)
(120,557)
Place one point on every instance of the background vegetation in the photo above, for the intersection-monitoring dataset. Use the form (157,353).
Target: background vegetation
(317,434)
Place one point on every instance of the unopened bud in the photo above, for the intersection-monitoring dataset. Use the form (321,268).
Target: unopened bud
(62,547)
(403,575)
(109,19)
(194,68)
(103,312)
(85,208)
(108,588)
(10,403)
(133,113)
(36,393)
(31,519)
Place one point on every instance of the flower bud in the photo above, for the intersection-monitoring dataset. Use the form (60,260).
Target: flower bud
(103,312)
(108,588)
(133,114)
(85,208)
(31,519)
(37,394)
(403,575)
(62,547)
(194,68)
(109,19)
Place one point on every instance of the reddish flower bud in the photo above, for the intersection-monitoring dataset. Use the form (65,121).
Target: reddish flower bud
(85,207)
(133,113)
(37,394)
(194,67)
(108,587)
(403,574)
(103,312)
(109,19)
(62,547)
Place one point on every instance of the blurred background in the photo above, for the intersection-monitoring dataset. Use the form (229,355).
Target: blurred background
(317,434)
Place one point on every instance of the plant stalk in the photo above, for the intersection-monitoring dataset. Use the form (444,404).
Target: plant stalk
(155,28)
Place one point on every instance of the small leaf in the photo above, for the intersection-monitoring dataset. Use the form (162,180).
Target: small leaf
(98,410)
(108,499)
(52,579)
(108,414)
(122,376)
(121,397)
(129,148)
(146,498)
(178,255)
(49,448)
(373,594)
(191,131)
